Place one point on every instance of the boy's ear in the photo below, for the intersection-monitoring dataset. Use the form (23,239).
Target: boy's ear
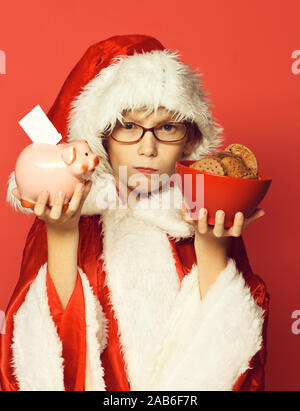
(194,135)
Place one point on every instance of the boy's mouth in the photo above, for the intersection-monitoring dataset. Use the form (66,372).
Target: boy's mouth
(145,170)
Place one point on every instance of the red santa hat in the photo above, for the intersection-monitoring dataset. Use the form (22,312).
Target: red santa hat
(128,72)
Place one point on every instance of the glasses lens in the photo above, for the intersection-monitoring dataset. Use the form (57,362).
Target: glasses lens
(127,132)
(170,131)
(130,132)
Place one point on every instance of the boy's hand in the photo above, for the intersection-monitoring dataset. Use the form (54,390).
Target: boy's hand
(202,229)
(57,219)
(210,243)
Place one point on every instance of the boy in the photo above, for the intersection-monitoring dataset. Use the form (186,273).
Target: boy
(137,297)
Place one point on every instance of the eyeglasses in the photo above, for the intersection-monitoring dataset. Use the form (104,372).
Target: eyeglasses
(132,133)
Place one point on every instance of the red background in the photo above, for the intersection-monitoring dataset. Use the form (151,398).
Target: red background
(244,50)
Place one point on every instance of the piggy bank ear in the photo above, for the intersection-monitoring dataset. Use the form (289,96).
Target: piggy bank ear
(69,155)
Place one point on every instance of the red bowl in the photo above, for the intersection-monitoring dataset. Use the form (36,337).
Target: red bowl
(214,192)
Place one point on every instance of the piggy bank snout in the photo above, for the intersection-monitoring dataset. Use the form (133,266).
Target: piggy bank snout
(94,163)
(88,169)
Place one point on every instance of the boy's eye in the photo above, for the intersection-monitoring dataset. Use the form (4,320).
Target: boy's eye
(128,126)
(167,127)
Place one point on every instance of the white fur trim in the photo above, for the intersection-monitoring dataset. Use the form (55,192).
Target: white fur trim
(163,210)
(160,209)
(37,348)
(12,200)
(208,344)
(148,79)
(143,284)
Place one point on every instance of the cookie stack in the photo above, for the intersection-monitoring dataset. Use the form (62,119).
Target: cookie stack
(236,160)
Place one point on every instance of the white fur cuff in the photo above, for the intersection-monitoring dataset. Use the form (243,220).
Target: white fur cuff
(208,344)
(12,200)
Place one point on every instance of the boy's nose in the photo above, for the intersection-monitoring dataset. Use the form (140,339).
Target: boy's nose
(148,145)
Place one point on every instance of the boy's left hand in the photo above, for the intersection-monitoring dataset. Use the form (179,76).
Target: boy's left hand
(202,228)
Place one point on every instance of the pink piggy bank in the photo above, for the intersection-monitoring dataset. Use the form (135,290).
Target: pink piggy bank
(53,168)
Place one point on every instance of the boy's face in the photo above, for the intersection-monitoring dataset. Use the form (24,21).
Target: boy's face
(148,153)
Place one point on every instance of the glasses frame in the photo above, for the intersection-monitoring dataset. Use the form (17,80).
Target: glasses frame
(187,125)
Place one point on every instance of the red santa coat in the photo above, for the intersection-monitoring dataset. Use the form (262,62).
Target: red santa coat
(135,320)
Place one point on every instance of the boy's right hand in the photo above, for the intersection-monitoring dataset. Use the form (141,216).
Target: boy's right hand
(57,219)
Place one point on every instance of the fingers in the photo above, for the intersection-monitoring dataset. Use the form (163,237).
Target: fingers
(202,221)
(87,188)
(85,192)
(218,229)
(79,196)
(187,218)
(259,212)
(56,209)
(240,222)
(238,225)
(41,210)
(40,205)
(75,200)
